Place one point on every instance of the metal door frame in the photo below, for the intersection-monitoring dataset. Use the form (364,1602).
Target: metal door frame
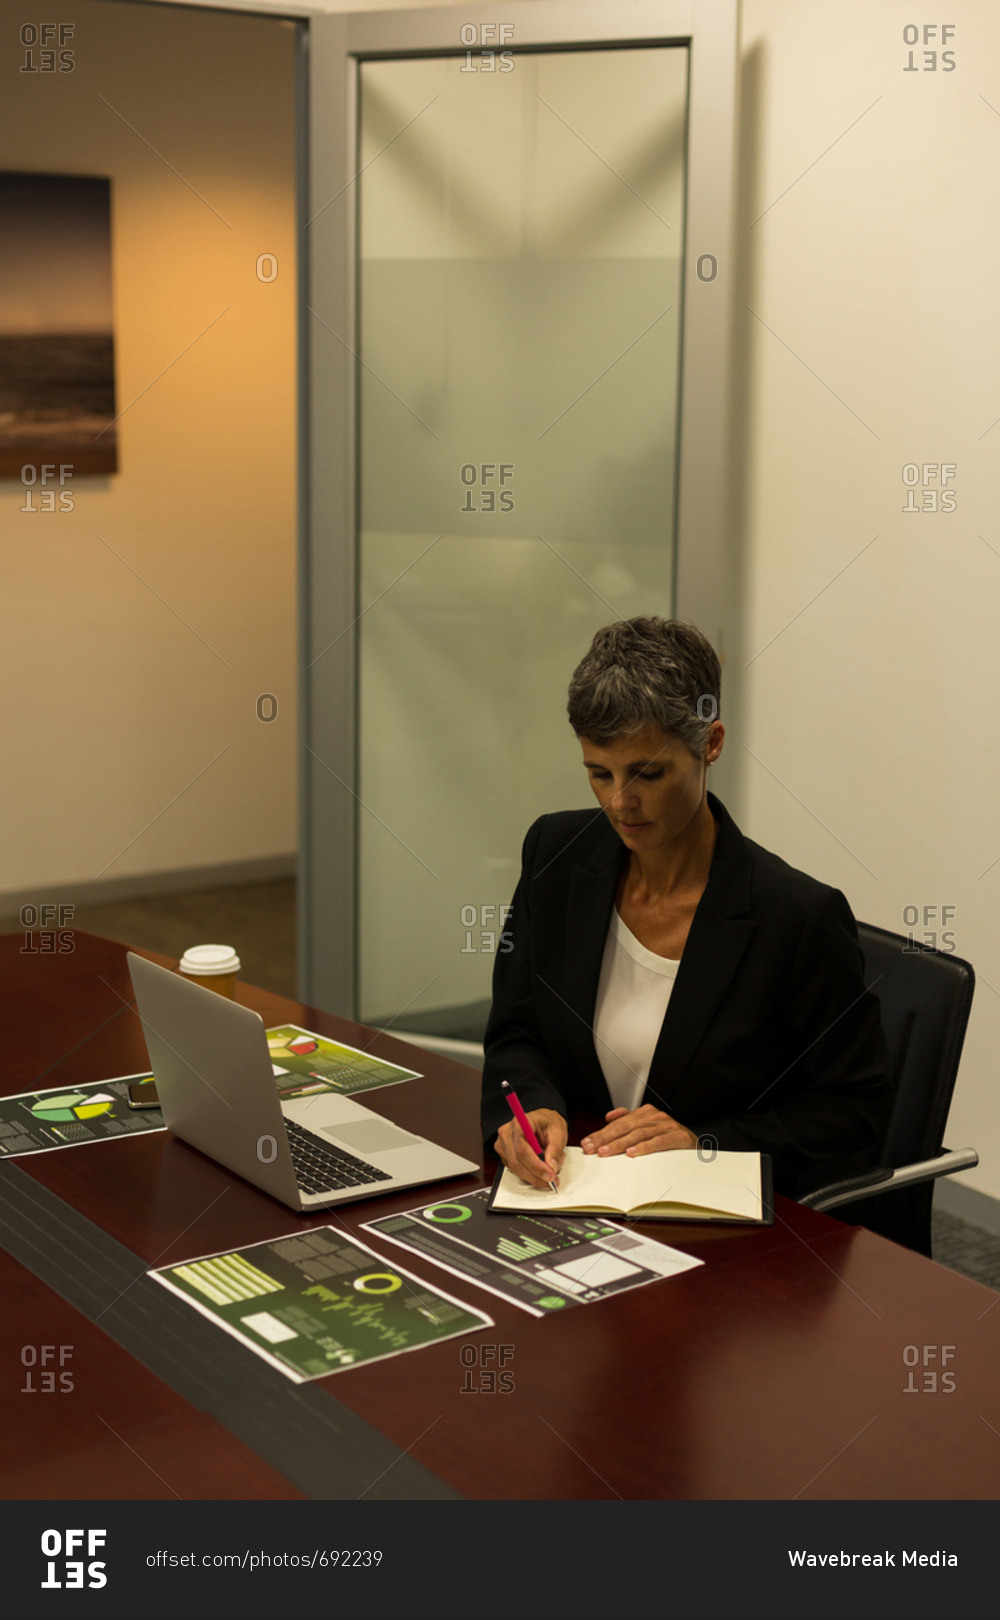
(704,558)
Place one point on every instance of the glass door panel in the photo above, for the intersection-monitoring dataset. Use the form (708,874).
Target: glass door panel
(520,248)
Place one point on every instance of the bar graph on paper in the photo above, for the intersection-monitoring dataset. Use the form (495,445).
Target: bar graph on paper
(527,1249)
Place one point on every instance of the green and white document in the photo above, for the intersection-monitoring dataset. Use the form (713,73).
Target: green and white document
(304,1063)
(318,1302)
(542,1265)
(66,1116)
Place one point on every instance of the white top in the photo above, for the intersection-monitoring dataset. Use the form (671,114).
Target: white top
(632,996)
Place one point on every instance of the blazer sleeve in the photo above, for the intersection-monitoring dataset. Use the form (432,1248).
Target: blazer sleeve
(513,1044)
(826,1114)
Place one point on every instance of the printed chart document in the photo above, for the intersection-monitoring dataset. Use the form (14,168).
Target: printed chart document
(675,1186)
(97,1111)
(304,1063)
(318,1302)
(542,1265)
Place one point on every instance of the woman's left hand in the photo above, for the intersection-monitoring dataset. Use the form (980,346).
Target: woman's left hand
(638,1130)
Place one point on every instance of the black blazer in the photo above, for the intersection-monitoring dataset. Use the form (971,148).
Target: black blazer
(770,1040)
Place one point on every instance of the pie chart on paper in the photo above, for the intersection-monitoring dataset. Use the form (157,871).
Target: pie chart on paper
(72,1105)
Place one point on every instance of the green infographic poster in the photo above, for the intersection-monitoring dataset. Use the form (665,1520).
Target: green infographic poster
(304,1062)
(96,1111)
(318,1302)
(541,1264)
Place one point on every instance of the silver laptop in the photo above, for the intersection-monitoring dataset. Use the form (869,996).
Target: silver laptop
(217,1090)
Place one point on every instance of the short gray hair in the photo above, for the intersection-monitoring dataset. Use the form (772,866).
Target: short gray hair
(646,671)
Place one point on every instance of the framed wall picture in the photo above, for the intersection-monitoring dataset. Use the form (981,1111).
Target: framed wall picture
(57,365)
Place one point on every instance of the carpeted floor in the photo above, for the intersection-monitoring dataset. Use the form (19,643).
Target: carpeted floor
(256,919)
(966,1248)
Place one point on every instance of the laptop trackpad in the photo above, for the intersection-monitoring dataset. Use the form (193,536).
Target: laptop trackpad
(371,1136)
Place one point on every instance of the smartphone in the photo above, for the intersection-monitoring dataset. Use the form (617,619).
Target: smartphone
(143,1094)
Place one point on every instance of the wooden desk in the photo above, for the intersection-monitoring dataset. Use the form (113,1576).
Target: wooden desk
(778,1370)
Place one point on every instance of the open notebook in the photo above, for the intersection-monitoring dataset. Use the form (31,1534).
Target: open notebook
(674,1186)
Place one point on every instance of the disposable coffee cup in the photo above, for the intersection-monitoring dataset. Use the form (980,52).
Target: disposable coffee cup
(213,966)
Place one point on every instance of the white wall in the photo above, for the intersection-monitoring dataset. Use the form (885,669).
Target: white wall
(117,690)
(867,758)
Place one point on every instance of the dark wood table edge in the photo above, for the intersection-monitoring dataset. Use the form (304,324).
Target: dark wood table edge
(301,1430)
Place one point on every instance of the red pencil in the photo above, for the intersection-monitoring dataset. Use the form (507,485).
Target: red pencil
(525,1124)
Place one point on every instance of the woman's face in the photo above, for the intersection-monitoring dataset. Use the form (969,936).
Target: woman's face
(649,785)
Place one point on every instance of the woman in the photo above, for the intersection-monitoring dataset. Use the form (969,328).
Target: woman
(665,973)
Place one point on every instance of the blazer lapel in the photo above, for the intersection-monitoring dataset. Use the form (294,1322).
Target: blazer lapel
(592,887)
(720,933)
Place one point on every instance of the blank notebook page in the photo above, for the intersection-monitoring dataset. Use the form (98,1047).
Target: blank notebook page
(729,1183)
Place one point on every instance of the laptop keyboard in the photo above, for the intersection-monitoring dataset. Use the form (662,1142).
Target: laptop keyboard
(320,1167)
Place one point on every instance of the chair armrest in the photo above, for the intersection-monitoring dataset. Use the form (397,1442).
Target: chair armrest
(852,1187)
(883,1180)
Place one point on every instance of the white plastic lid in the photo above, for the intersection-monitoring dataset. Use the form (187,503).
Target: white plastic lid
(208,960)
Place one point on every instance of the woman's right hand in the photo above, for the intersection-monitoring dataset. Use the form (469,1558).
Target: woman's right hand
(551,1130)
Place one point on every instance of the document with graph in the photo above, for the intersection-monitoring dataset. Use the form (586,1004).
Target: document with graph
(538,1263)
(304,1062)
(318,1302)
(71,1115)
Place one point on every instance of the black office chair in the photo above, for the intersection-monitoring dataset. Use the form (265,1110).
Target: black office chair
(925,997)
